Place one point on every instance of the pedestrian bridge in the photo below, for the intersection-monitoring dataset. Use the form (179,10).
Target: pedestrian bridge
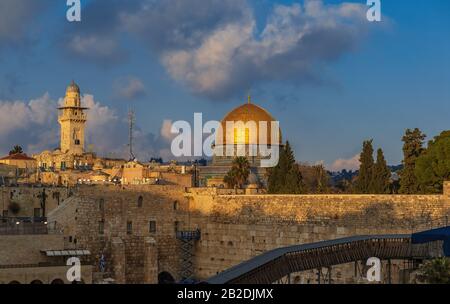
(276,264)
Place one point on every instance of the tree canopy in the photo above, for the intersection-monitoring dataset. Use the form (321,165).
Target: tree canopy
(412,149)
(285,177)
(364,181)
(16,150)
(433,165)
(381,175)
(238,174)
(436,271)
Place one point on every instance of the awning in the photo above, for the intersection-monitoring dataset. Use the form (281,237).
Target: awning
(56,253)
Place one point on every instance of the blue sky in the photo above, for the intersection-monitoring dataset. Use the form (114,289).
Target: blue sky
(348,80)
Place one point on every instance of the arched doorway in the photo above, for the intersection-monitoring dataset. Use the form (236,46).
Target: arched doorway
(165,278)
(36,282)
(57,282)
(14,282)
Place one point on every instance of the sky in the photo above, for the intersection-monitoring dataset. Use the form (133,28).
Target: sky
(329,76)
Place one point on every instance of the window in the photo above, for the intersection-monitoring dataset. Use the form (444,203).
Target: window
(101,205)
(129,227)
(152,226)
(140,201)
(63,165)
(101,227)
(177,224)
(37,212)
(5,213)
(175,205)
(77,142)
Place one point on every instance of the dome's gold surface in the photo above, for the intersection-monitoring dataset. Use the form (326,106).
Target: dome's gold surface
(245,113)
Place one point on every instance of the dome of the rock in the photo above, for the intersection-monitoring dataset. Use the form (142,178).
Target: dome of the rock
(247,113)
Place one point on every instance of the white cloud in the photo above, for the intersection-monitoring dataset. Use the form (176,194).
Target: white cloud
(215,48)
(166,128)
(18,115)
(294,39)
(34,126)
(129,88)
(348,164)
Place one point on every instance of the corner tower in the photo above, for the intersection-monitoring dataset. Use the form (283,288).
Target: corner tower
(72,119)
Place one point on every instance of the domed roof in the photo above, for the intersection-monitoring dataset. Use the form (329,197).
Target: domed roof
(246,113)
(73,87)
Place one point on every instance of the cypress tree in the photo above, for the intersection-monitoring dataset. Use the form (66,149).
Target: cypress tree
(381,175)
(365,176)
(285,177)
(412,149)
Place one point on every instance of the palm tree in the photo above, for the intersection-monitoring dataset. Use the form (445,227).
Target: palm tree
(16,150)
(238,174)
(435,272)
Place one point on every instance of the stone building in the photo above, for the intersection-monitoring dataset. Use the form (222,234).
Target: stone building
(35,255)
(8,175)
(133,227)
(69,163)
(70,154)
(19,160)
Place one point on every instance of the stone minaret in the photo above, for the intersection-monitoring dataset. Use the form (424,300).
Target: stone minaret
(72,119)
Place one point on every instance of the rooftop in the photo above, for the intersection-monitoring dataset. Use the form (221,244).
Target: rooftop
(17,156)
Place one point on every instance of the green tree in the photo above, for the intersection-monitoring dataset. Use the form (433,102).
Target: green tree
(315,178)
(381,175)
(365,176)
(412,149)
(436,271)
(238,174)
(16,150)
(285,177)
(433,166)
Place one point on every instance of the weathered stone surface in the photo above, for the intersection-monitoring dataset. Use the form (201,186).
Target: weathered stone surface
(233,227)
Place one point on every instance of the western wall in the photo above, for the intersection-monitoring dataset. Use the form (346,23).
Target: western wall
(115,221)
(237,227)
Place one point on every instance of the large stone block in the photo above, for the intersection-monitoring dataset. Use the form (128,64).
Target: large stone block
(447,188)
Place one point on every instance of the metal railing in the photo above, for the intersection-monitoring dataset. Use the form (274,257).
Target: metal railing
(23,228)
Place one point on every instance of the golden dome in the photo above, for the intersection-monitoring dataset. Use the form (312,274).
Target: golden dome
(73,87)
(245,113)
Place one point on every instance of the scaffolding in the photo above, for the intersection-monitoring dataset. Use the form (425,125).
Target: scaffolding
(187,241)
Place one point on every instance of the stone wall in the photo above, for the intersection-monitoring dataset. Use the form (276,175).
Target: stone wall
(125,213)
(237,227)
(29,199)
(22,260)
(234,227)
(43,275)
(26,249)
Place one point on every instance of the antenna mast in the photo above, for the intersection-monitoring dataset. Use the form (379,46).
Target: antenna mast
(131,121)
